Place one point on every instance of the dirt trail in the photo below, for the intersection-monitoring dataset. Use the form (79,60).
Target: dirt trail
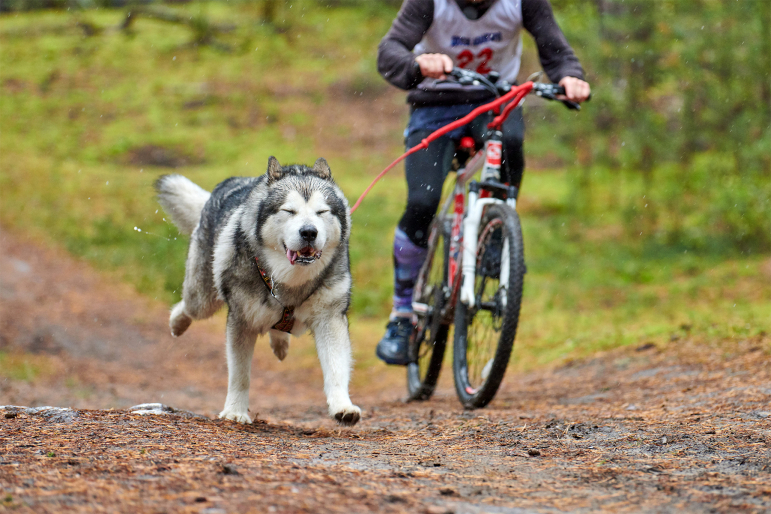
(683,428)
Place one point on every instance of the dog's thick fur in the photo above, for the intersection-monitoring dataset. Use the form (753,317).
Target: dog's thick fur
(295,222)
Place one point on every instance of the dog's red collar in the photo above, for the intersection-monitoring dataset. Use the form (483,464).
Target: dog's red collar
(286,322)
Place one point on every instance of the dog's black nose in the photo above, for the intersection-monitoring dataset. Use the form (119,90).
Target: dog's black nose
(309,233)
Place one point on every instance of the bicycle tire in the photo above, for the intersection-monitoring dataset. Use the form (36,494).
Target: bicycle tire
(429,339)
(477,391)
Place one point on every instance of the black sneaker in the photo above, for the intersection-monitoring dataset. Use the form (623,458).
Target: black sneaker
(392,349)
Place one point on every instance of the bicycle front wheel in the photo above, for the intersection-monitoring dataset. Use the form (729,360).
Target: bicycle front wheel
(428,341)
(484,334)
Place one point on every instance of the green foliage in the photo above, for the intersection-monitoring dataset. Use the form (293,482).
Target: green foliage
(689,117)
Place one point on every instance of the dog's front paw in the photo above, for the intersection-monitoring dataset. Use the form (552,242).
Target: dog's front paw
(238,417)
(348,416)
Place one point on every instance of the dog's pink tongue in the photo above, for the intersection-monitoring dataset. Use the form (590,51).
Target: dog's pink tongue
(292,256)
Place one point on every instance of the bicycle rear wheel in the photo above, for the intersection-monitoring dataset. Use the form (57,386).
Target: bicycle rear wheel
(484,334)
(428,341)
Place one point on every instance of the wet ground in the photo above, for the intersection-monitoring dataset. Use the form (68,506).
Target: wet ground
(686,427)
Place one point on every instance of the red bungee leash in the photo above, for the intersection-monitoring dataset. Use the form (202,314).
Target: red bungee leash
(515,95)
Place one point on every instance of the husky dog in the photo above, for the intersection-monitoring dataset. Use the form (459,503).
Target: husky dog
(273,248)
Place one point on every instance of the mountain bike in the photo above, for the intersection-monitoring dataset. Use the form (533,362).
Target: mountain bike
(474,272)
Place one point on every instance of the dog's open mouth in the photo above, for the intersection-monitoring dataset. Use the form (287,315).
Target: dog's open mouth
(303,256)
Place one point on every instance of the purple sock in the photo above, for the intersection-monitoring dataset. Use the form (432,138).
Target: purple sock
(408,258)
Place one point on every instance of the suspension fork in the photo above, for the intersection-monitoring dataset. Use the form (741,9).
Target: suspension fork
(470,235)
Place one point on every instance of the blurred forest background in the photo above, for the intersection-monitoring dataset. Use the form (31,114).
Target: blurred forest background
(647,215)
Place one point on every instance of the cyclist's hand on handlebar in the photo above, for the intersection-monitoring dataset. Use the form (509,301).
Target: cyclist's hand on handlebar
(434,66)
(576,90)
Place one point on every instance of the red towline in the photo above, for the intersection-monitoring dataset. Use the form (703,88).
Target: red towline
(515,95)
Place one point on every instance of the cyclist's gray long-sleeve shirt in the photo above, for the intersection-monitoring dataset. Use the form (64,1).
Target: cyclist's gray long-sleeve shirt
(396,62)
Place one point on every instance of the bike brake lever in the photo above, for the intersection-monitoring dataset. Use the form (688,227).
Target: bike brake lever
(573,106)
(461,76)
(459,73)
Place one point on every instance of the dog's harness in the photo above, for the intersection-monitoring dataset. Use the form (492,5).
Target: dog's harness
(286,322)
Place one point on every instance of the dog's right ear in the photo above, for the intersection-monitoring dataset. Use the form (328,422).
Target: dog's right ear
(274,170)
(321,168)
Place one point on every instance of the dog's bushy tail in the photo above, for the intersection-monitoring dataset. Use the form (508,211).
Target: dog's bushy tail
(182,200)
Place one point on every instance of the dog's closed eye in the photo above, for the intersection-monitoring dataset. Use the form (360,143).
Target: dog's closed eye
(290,211)
(319,213)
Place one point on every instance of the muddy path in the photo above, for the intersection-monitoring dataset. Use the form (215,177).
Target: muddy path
(648,429)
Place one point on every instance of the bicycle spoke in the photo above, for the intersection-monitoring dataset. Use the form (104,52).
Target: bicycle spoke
(485,321)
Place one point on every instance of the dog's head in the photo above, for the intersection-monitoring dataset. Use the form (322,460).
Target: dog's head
(304,215)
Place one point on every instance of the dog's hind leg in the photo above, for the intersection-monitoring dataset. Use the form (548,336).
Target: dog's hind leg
(333,346)
(179,321)
(279,342)
(240,349)
(199,296)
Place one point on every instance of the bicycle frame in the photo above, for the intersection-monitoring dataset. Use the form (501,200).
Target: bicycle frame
(456,200)
(467,211)
(469,207)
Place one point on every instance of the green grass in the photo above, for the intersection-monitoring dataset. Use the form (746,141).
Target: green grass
(73,108)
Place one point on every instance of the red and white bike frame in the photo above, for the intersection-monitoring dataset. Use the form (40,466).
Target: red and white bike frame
(467,211)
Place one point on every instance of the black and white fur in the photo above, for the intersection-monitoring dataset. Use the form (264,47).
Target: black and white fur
(297,222)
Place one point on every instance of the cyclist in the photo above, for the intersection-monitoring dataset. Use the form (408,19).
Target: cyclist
(426,40)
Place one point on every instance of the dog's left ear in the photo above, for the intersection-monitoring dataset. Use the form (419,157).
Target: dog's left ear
(274,170)
(321,168)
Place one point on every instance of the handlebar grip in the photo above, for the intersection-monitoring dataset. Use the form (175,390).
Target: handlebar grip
(573,106)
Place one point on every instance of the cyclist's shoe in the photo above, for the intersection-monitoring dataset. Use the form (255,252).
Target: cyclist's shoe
(392,349)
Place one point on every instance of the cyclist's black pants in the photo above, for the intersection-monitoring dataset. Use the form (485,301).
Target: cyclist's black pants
(427,169)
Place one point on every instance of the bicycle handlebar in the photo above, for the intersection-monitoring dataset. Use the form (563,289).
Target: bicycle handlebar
(497,87)
(550,92)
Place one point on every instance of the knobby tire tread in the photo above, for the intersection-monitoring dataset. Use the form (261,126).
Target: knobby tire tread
(487,391)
